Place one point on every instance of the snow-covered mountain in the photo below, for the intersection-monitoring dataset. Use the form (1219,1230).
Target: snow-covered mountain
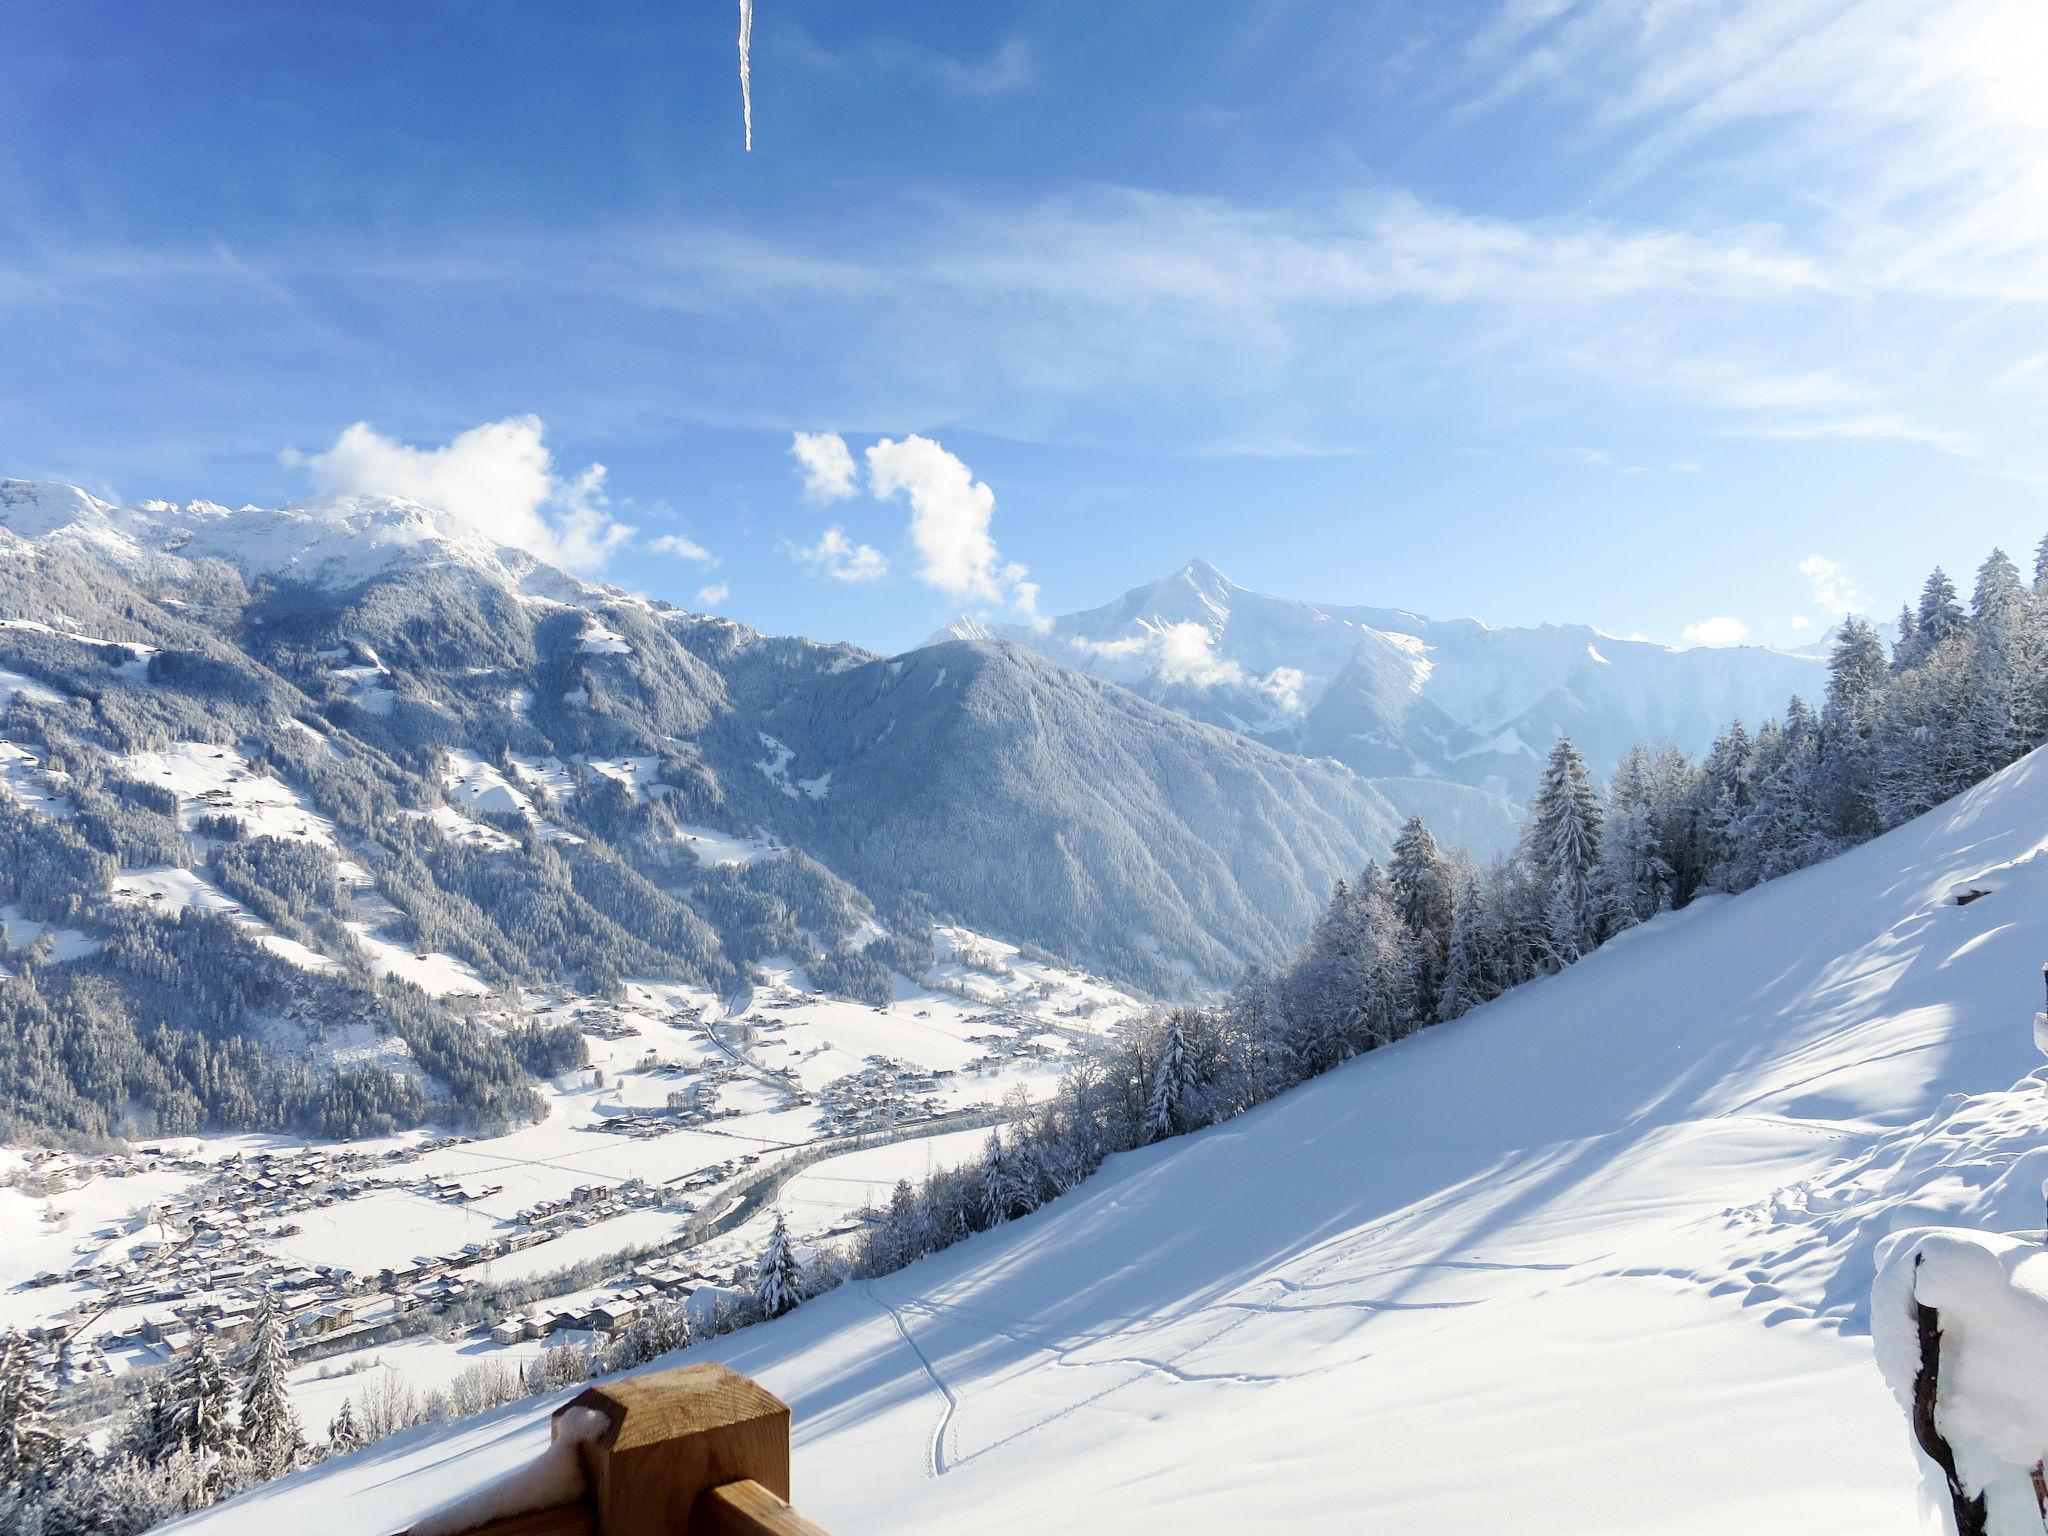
(1595,1257)
(1401,698)
(493,773)
(334,542)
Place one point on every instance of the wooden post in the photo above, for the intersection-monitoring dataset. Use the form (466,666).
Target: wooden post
(674,1436)
(694,1451)
(748,1509)
(1969,1513)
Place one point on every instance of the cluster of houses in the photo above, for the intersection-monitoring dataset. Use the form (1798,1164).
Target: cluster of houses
(589,1203)
(883,1093)
(199,1267)
(615,1309)
(603,1024)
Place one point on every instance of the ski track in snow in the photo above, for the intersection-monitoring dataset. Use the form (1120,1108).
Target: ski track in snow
(945,1425)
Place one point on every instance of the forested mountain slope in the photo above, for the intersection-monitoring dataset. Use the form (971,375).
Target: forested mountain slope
(1450,718)
(1614,1205)
(288,795)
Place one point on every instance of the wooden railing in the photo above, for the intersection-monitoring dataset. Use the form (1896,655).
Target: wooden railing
(694,1451)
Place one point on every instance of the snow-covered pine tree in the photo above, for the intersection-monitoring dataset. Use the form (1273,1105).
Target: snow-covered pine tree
(1939,614)
(778,1280)
(1259,1047)
(996,1194)
(205,1393)
(1170,1110)
(1926,746)
(270,1425)
(2002,628)
(1322,987)
(1906,649)
(1789,831)
(1725,789)
(344,1434)
(899,1236)
(1385,1006)
(26,1444)
(1634,875)
(1464,984)
(1857,675)
(1562,846)
(1425,896)
(151,1432)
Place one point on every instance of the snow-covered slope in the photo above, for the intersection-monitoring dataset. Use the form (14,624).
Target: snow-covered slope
(1595,1257)
(1401,697)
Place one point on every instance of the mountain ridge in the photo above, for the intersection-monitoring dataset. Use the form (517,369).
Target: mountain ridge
(322,773)
(1398,696)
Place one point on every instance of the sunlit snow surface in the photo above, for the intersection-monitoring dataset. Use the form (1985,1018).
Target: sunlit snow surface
(1594,1258)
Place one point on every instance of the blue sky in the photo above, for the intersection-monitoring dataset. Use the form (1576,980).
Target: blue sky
(1619,311)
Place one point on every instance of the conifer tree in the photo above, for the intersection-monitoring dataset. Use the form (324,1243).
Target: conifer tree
(344,1434)
(2002,629)
(1906,650)
(1939,614)
(778,1280)
(1169,1112)
(1426,899)
(996,1194)
(205,1399)
(152,1431)
(26,1444)
(1635,878)
(270,1425)
(1463,987)
(1562,845)
(1847,783)
(1324,983)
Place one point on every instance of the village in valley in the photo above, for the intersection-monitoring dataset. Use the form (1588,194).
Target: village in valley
(650,1182)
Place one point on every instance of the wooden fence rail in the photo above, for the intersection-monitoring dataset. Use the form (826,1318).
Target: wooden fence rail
(695,1451)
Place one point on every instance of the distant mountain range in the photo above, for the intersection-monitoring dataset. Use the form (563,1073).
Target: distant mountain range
(1448,718)
(515,776)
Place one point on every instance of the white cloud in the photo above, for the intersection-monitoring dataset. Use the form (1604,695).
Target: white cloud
(682,548)
(839,557)
(827,468)
(498,478)
(1185,653)
(1833,588)
(714,594)
(950,517)
(1800,622)
(1719,630)
(1878,426)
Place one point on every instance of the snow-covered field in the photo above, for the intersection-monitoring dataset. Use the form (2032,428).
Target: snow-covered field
(1596,1257)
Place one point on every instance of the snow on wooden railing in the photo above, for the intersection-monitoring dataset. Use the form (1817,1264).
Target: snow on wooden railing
(1960,1320)
(695,1451)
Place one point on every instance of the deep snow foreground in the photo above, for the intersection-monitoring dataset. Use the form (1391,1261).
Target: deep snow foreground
(1596,1257)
